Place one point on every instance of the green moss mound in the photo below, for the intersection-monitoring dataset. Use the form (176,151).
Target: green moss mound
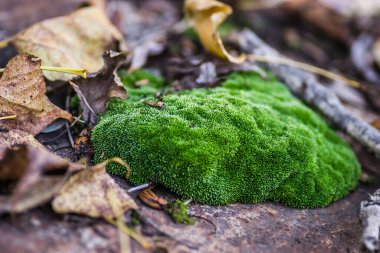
(247,141)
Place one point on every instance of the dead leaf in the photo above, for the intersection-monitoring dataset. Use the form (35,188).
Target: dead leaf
(206,16)
(25,160)
(77,40)
(14,138)
(95,91)
(152,200)
(94,193)
(22,93)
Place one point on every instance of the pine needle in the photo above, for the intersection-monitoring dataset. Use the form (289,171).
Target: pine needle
(305,66)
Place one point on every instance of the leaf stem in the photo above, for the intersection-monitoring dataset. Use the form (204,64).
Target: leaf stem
(79,72)
(8,117)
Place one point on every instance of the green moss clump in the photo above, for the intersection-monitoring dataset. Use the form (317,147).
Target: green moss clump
(247,141)
(178,211)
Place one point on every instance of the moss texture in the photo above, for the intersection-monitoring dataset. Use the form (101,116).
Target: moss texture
(247,141)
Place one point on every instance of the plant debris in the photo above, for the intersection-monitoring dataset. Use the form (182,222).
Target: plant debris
(149,198)
(94,193)
(206,16)
(178,211)
(95,91)
(77,40)
(22,94)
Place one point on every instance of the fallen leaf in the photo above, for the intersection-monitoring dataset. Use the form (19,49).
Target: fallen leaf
(95,91)
(14,138)
(152,200)
(206,16)
(22,93)
(25,160)
(94,193)
(77,40)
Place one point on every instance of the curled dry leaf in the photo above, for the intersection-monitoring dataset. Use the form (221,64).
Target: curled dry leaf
(26,160)
(151,199)
(206,16)
(77,40)
(95,91)
(22,93)
(94,193)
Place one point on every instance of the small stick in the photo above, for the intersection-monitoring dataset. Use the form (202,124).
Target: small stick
(140,187)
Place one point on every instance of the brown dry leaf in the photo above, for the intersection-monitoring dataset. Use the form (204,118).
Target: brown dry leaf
(94,193)
(152,200)
(206,16)
(95,91)
(22,93)
(77,40)
(25,160)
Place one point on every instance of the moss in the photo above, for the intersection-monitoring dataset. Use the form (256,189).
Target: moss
(178,211)
(247,141)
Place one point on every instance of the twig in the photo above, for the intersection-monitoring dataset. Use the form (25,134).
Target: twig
(140,187)
(370,219)
(306,86)
(67,107)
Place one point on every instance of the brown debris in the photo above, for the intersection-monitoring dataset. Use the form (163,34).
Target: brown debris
(22,92)
(95,91)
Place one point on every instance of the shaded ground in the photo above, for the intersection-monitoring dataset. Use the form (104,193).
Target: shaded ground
(263,227)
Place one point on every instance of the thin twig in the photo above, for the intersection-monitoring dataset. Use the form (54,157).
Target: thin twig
(67,107)
(140,187)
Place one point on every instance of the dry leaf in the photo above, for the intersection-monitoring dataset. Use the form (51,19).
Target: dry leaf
(206,16)
(25,160)
(151,199)
(94,193)
(95,91)
(22,93)
(77,40)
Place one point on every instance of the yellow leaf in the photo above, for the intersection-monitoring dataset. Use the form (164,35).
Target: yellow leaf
(206,16)
(77,40)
